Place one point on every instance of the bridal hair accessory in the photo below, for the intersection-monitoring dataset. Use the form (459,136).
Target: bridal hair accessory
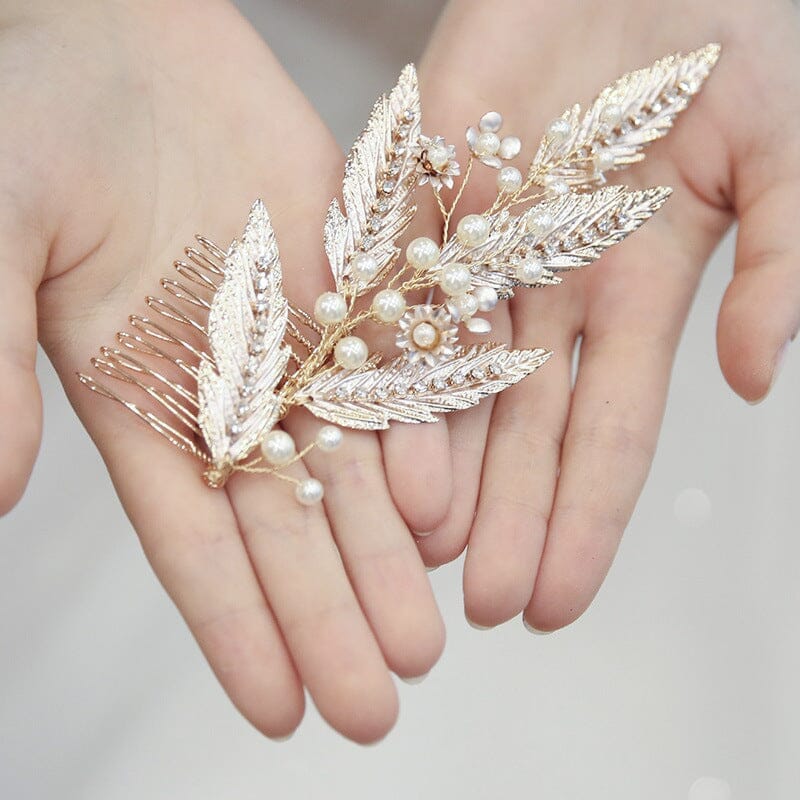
(225,356)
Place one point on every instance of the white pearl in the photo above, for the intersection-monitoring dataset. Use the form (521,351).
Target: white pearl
(509,147)
(388,305)
(422,253)
(557,187)
(487,144)
(540,223)
(466,305)
(559,129)
(509,179)
(611,114)
(486,297)
(490,122)
(473,230)
(363,267)
(438,157)
(455,279)
(425,335)
(329,437)
(278,447)
(309,492)
(478,325)
(530,270)
(350,352)
(604,160)
(330,308)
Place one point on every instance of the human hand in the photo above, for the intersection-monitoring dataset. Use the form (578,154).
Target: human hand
(545,482)
(132,126)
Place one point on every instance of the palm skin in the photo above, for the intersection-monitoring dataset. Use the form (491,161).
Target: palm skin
(135,126)
(545,481)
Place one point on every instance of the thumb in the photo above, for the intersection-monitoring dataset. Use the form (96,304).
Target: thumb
(21,265)
(760,313)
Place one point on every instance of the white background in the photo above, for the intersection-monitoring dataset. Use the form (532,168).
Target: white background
(686,666)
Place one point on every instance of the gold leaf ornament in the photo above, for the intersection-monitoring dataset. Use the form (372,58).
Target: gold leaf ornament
(224,356)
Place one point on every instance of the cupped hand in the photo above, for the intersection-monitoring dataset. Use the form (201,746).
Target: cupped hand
(128,128)
(546,480)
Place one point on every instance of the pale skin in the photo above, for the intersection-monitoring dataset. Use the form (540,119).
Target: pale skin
(129,138)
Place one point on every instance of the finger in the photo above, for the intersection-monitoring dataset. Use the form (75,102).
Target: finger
(617,405)
(20,399)
(520,469)
(301,572)
(191,538)
(378,550)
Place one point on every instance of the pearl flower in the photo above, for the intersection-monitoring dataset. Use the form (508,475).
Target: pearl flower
(427,333)
(436,162)
(485,144)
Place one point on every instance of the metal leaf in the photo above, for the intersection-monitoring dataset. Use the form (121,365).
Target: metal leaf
(246,327)
(648,99)
(379,181)
(374,397)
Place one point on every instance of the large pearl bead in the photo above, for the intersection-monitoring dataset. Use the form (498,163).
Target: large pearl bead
(486,297)
(388,305)
(466,305)
(350,352)
(557,187)
(437,157)
(509,147)
(530,270)
(330,308)
(487,144)
(309,492)
(422,253)
(425,336)
(473,230)
(455,279)
(611,114)
(540,223)
(363,267)
(604,160)
(278,448)
(509,179)
(329,437)
(559,129)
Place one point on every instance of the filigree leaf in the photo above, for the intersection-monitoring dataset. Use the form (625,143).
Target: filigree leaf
(648,99)
(246,327)
(378,186)
(374,397)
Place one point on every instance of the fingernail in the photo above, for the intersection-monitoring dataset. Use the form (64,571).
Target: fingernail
(476,626)
(415,679)
(282,738)
(777,365)
(422,534)
(533,630)
(431,569)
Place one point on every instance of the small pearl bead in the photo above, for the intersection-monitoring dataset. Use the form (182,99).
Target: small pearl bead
(465,304)
(422,253)
(438,156)
(388,305)
(559,129)
(604,160)
(473,230)
(363,267)
(509,147)
(611,114)
(530,270)
(486,297)
(509,179)
(557,187)
(487,144)
(425,335)
(329,437)
(350,352)
(455,279)
(491,121)
(278,448)
(330,308)
(309,492)
(540,223)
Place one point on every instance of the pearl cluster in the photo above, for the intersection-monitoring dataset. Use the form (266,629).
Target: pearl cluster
(487,146)
(278,449)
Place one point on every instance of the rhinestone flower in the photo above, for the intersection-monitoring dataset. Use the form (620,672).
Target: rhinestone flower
(485,144)
(436,162)
(427,334)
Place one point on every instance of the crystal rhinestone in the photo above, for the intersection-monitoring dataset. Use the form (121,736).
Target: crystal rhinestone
(242,409)
(342,392)
(374,224)
(458,378)
(551,248)
(438,385)
(387,187)
(420,388)
(477,373)
(382,206)
(393,169)
(569,242)
(604,225)
(399,149)
(683,86)
(408,115)
(400,388)
(381,393)
(367,243)
(261,297)
(402,130)
(622,219)
(234,429)
(263,283)
(256,348)
(625,128)
(361,393)
(262,308)
(496,368)
(670,96)
(656,107)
